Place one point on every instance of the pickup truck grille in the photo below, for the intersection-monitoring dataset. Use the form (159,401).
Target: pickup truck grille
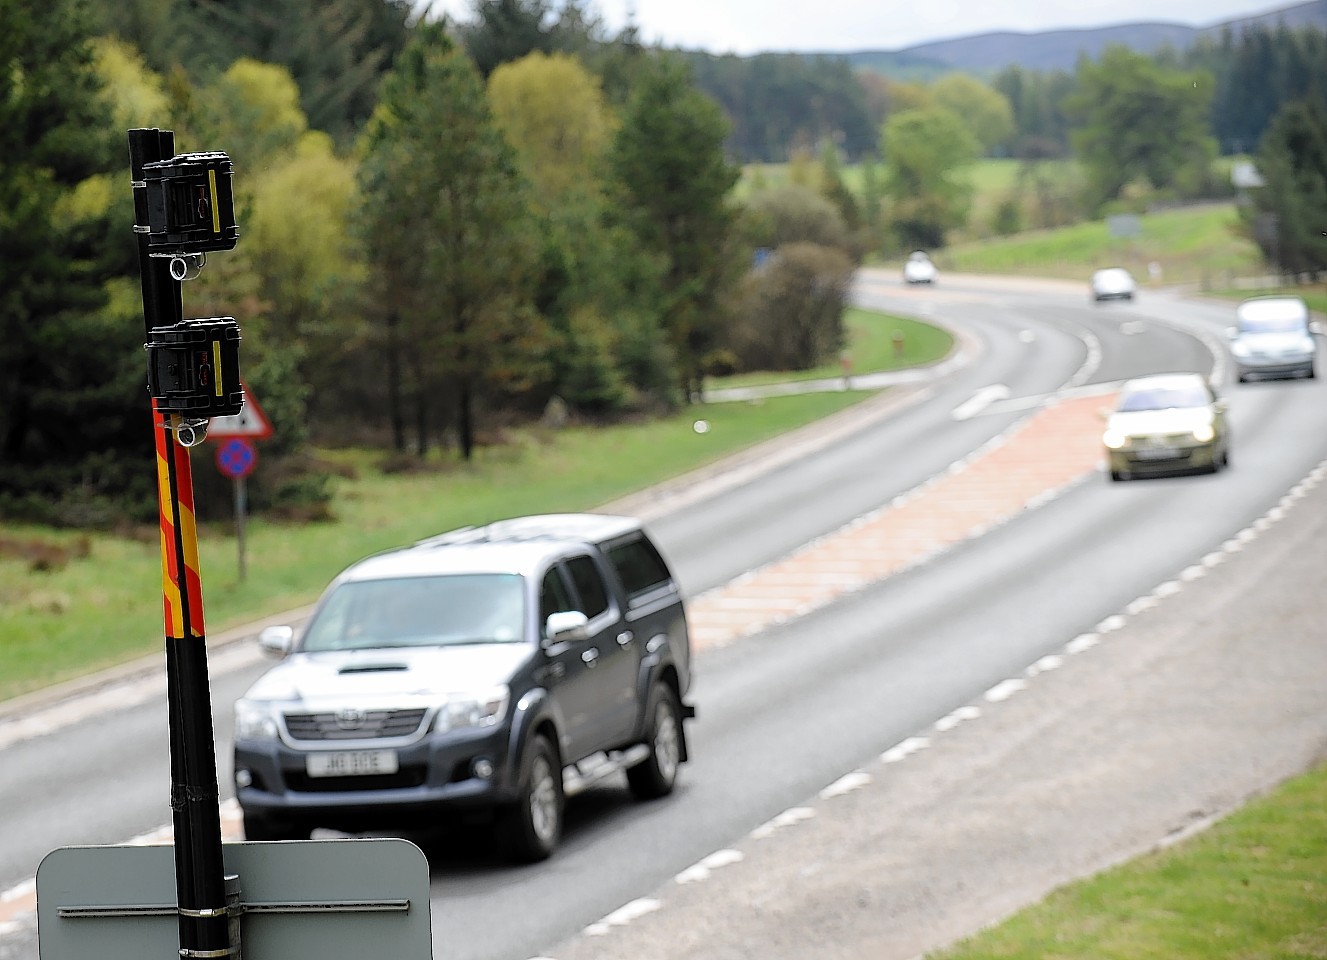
(353,724)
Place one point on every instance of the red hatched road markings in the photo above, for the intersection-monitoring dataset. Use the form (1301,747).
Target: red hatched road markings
(1046,453)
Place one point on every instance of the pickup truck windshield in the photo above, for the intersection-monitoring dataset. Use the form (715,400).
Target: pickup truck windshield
(420,612)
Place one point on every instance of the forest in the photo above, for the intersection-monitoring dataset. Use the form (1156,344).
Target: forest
(450,228)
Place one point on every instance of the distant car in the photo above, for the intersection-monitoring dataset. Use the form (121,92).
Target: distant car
(919,268)
(1112,283)
(1273,337)
(1167,423)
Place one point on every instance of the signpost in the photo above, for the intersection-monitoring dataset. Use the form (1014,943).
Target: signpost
(237,456)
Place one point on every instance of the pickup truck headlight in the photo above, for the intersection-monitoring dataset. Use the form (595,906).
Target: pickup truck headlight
(472,710)
(255,720)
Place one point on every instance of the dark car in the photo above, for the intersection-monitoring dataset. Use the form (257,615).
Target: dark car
(491,671)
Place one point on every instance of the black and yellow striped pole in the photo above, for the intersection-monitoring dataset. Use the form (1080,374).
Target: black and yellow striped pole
(193,374)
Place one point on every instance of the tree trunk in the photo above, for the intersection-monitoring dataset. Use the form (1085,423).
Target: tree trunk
(465,419)
(395,404)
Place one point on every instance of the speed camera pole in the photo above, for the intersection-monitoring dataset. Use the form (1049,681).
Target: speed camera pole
(182,208)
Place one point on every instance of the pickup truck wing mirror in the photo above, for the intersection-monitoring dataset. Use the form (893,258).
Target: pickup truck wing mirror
(567,626)
(277,641)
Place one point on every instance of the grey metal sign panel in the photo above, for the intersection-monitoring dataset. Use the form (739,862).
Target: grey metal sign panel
(309,900)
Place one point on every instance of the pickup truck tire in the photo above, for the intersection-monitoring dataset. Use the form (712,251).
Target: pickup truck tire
(656,774)
(267,828)
(529,830)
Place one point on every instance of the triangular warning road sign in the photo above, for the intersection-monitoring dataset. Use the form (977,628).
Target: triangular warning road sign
(250,423)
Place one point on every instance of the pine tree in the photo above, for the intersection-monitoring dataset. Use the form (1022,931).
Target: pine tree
(67,367)
(447,234)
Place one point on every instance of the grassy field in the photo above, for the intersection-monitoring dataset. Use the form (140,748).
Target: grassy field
(1190,244)
(72,603)
(1253,887)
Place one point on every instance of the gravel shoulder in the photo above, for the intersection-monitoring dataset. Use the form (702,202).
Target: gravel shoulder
(1208,693)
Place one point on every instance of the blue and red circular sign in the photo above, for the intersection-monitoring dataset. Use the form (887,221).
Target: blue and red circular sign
(236,458)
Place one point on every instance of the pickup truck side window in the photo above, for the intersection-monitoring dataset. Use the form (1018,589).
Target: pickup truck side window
(639,565)
(553,597)
(589,584)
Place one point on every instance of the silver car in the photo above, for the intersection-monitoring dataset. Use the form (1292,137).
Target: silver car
(1273,337)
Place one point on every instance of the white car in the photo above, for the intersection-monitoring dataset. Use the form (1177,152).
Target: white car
(1273,337)
(918,268)
(1112,283)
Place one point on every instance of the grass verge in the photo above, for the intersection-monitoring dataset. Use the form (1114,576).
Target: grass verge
(1254,886)
(1191,245)
(871,339)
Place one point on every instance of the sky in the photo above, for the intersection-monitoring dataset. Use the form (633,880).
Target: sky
(757,26)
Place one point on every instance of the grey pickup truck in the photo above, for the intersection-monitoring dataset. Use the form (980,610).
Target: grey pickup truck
(490,671)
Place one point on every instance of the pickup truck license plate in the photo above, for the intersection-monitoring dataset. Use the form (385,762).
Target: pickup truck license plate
(352,763)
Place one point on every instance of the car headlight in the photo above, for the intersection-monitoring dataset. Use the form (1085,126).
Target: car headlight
(1240,349)
(1114,439)
(462,710)
(255,720)
(1203,432)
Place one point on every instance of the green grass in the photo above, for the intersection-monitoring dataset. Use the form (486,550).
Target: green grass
(871,336)
(1252,887)
(105,608)
(1191,244)
(1314,295)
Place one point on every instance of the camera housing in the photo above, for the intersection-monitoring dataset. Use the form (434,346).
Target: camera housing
(194,368)
(190,205)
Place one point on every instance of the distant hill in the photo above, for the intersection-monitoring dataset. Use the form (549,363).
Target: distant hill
(988,53)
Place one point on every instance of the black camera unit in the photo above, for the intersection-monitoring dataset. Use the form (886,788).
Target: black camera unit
(190,206)
(194,368)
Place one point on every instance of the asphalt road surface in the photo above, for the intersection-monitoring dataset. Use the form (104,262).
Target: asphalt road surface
(1043,685)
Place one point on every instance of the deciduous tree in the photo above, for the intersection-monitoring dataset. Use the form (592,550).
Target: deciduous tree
(1138,120)
(923,150)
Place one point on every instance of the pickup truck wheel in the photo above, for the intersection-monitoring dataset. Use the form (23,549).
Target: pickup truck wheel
(529,830)
(656,774)
(270,828)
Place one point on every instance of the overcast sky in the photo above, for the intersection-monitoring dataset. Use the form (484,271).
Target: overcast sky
(757,26)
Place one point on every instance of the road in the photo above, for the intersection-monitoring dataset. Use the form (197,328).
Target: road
(800,702)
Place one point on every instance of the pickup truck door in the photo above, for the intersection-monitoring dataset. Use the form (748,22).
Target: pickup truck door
(584,677)
(612,655)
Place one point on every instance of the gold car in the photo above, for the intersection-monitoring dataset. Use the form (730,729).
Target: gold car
(1168,423)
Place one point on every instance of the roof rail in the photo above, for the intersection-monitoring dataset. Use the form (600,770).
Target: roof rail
(470,534)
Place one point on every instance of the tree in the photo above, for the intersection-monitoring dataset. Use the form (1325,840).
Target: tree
(791,309)
(552,111)
(336,50)
(791,213)
(922,150)
(672,182)
(1139,121)
(987,111)
(1289,215)
(507,30)
(71,361)
(447,238)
